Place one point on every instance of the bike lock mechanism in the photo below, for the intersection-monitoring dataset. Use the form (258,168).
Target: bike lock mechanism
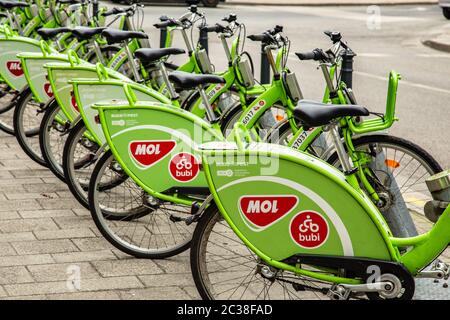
(439,186)
(347,67)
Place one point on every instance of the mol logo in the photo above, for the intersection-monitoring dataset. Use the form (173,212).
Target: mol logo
(148,153)
(264,211)
(48,90)
(309,229)
(15,68)
(73,101)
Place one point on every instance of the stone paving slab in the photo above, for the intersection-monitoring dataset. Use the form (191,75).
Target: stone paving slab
(45,235)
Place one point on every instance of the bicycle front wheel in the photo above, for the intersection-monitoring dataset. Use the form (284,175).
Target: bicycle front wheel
(133,221)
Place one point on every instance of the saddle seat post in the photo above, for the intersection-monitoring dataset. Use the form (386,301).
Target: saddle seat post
(134,66)
(209,110)
(346,162)
(98,51)
(173,94)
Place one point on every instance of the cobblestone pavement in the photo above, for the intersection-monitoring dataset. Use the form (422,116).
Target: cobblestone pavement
(46,237)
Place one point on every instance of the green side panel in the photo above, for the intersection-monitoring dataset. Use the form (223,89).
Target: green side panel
(10,68)
(36,73)
(287,203)
(89,94)
(59,77)
(158,144)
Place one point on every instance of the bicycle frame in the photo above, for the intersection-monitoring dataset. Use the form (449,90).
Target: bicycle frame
(227,190)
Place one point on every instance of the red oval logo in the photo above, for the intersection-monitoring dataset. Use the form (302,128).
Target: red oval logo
(48,90)
(309,229)
(15,68)
(73,101)
(184,167)
(148,153)
(263,211)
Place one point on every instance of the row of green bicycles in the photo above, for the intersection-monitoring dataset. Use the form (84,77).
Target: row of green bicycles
(276,196)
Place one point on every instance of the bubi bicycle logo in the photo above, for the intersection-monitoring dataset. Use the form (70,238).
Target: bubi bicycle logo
(48,90)
(309,229)
(15,68)
(148,153)
(184,167)
(263,211)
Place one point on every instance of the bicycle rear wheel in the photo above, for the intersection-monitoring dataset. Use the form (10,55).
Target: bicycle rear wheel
(27,121)
(78,162)
(130,219)
(52,136)
(7,104)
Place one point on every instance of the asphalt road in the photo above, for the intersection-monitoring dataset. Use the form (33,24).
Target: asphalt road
(391,42)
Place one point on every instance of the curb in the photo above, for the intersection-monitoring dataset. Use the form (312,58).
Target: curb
(437,45)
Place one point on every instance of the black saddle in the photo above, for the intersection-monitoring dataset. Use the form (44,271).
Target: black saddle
(48,33)
(187,80)
(84,33)
(316,114)
(13,4)
(147,55)
(115,35)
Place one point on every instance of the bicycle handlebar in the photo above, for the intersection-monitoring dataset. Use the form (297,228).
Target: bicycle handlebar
(316,55)
(167,23)
(113,11)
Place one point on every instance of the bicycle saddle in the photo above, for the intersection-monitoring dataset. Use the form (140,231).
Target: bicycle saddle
(13,4)
(48,33)
(147,55)
(316,114)
(115,35)
(84,33)
(187,80)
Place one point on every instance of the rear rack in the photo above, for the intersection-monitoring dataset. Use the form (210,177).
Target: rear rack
(385,121)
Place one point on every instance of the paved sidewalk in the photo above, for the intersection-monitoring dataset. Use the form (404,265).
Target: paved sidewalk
(46,237)
(330,2)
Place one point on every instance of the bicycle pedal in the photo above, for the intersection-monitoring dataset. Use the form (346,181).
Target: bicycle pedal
(439,270)
(298,287)
(338,292)
(65,129)
(176,219)
(194,208)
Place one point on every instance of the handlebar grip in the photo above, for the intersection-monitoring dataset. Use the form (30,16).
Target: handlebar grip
(263,37)
(165,24)
(316,55)
(112,12)
(217,28)
(306,55)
